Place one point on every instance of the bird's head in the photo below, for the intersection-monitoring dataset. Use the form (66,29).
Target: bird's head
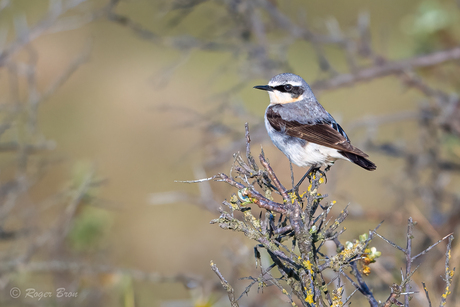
(286,88)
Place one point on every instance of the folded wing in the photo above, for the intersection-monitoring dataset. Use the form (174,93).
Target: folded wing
(319,133)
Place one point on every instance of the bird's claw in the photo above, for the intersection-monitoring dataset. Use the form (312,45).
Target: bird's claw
(311,172)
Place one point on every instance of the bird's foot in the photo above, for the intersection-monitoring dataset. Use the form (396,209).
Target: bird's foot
(323,174)
(310,174)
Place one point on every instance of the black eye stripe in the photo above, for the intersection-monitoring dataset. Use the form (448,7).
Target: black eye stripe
(282,88)
(279,88)
(295,91)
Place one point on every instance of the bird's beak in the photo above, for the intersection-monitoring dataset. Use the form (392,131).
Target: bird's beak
(264,87)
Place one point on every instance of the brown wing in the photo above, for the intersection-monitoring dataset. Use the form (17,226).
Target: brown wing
(322,134)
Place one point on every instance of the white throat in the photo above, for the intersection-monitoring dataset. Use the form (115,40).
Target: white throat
(277,97)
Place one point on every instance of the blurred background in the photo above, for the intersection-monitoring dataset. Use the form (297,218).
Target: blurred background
(106,103)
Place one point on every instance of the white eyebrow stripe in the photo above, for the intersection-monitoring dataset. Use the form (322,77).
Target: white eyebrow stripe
(295,83)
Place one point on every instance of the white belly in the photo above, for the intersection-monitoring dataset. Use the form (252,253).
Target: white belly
(312,154)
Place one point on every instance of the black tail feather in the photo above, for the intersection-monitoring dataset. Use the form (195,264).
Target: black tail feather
(361,161)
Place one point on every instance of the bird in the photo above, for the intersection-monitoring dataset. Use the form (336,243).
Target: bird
(303,130)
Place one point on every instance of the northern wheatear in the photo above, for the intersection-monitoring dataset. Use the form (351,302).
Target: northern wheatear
(303,130)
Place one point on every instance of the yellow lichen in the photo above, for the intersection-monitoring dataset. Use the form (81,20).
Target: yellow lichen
(309,298)
(337,297)
(307,265)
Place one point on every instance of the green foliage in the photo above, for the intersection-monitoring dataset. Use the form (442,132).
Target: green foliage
(431,26)
(90,230)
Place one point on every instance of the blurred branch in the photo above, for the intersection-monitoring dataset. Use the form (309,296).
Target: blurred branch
(28,148)
(82,269)
(387,68)
(83,57)
(55,11)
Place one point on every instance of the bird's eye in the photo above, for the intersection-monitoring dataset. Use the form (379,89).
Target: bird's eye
(287,87)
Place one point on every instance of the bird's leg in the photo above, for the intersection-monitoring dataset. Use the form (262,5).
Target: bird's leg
(294,189)
(292,173)
(307,175)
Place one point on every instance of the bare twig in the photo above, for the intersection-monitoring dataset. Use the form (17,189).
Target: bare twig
(410,226)
(449,273)
(391,243)
(427,295)
(275,180)
(430,247)
(226,285)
